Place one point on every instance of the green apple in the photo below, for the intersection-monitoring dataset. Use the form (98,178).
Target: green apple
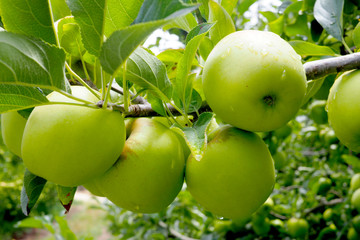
(12,129)
(355,199)
(323,185)
(318,113)
(352,234)
(261,224)
(277,223)
(356,223)
(150,171)
(328,214)
(355,182)
(254,80)
(283,132)
(343,110)
(280,160)
(68,144)
(297,227)
(235,176)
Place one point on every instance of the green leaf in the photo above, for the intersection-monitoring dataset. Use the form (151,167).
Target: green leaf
(65,230)
(120,14)
(102,17)
(119,46)
(205,48)
(196,136)
(313,87)
(66,196)
(270,16)
(204,8)
(356,35)
(70,37)
(157,105)
(153,10)
(14,98)
(329,14)
(310,49)
(299,28)
(31,62)
(30,193)
(353,161)
(28,18)
(59,9)
(90,15)
(244,6)
(183,86)
(30,222)
(186,23)
(148,72)
(277,26)
(224,23)
(198,30)
(229,5)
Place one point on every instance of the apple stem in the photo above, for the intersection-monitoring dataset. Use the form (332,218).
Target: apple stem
(269,100)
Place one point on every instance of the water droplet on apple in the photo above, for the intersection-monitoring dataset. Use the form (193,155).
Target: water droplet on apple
(239,45)
(264,52)
(283,75)
(198,157)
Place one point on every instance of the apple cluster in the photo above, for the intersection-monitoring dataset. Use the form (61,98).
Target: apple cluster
(253,81)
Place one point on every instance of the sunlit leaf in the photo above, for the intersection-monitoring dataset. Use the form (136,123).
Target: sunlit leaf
(196,136)
(183,84)
(13,97)
(310,49)
(31,19)
(224,23)
(90,15)
(119,46)
(30,62)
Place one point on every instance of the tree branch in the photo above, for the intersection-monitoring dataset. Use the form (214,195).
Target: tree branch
(321,68)
(315,69)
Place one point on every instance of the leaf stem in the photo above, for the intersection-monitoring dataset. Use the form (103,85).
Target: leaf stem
(89,105)
(107,96)
(53,24)
(125,89)
(73,97)
(181,112)
(82,61)
(346,46)
(103,84)
(68,68)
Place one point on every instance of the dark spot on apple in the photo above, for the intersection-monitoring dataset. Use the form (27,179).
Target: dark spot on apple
(269,100)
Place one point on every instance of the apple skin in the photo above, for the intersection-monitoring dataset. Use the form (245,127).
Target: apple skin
(254,80)
(235,176)
(12,129)
(344,110)
(68,144)
(150,171)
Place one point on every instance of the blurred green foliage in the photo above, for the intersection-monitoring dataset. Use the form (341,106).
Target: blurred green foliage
(11,182)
